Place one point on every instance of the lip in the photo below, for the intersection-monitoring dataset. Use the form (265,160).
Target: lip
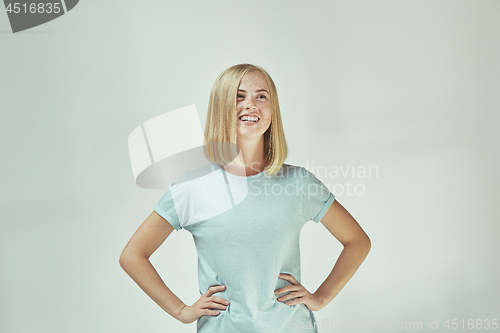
(249,114)
(249,123)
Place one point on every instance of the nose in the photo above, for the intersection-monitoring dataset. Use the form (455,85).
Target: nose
(249,103)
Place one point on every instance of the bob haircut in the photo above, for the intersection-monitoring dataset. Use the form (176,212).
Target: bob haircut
(220,128)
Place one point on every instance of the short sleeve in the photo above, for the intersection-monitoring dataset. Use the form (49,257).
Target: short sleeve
(317,198)
(174,205)
(166,209)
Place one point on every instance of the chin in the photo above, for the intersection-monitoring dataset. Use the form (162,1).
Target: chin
(249,135)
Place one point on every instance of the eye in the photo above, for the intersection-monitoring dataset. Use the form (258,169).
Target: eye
(240,96)
(263,96)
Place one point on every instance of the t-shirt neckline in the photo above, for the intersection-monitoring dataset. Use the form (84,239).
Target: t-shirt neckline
(235,177)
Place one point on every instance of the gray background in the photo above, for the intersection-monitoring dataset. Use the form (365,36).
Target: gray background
(410,87)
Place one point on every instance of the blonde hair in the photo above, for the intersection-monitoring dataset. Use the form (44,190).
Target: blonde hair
(220,127)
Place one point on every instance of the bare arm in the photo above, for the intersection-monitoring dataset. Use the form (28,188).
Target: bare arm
(356,247)
(135,261)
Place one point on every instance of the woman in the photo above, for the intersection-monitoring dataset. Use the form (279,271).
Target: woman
(245,215)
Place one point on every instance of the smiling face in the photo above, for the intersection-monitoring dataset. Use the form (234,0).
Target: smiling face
(253,105)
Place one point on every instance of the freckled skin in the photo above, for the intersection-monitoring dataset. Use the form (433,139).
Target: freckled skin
(251,100)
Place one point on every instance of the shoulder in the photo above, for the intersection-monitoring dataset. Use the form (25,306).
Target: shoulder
(292,171)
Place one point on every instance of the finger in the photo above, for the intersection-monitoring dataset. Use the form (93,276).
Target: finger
(287,277)
(218,300)
(290,296)
(289,288)
(213,305)
(210,312)
(295,302)
(214,289)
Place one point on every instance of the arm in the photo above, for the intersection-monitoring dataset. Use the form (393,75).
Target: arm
(356,247)
(135,261)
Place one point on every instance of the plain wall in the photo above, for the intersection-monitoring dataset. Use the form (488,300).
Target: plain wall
(407,87)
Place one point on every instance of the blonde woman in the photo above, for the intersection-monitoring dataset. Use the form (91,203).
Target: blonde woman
(245,216)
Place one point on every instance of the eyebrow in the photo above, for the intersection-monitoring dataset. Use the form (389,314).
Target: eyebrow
(255,90)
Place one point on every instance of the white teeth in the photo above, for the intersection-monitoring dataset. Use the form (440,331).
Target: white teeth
(248,118)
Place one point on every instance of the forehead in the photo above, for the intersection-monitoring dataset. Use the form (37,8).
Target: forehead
(254,80)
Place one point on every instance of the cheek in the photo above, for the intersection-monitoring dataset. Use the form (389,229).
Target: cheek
(267,122)
(268,115)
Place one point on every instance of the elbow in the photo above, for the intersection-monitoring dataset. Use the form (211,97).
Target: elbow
(364,242)
(362,245)
(368,245)
(129,259)
(125,260)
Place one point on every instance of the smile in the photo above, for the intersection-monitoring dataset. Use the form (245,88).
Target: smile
(246,119)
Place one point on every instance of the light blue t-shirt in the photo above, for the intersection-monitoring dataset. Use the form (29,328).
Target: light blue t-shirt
(246,231)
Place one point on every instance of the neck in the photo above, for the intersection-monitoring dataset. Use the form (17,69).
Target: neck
(252,155)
